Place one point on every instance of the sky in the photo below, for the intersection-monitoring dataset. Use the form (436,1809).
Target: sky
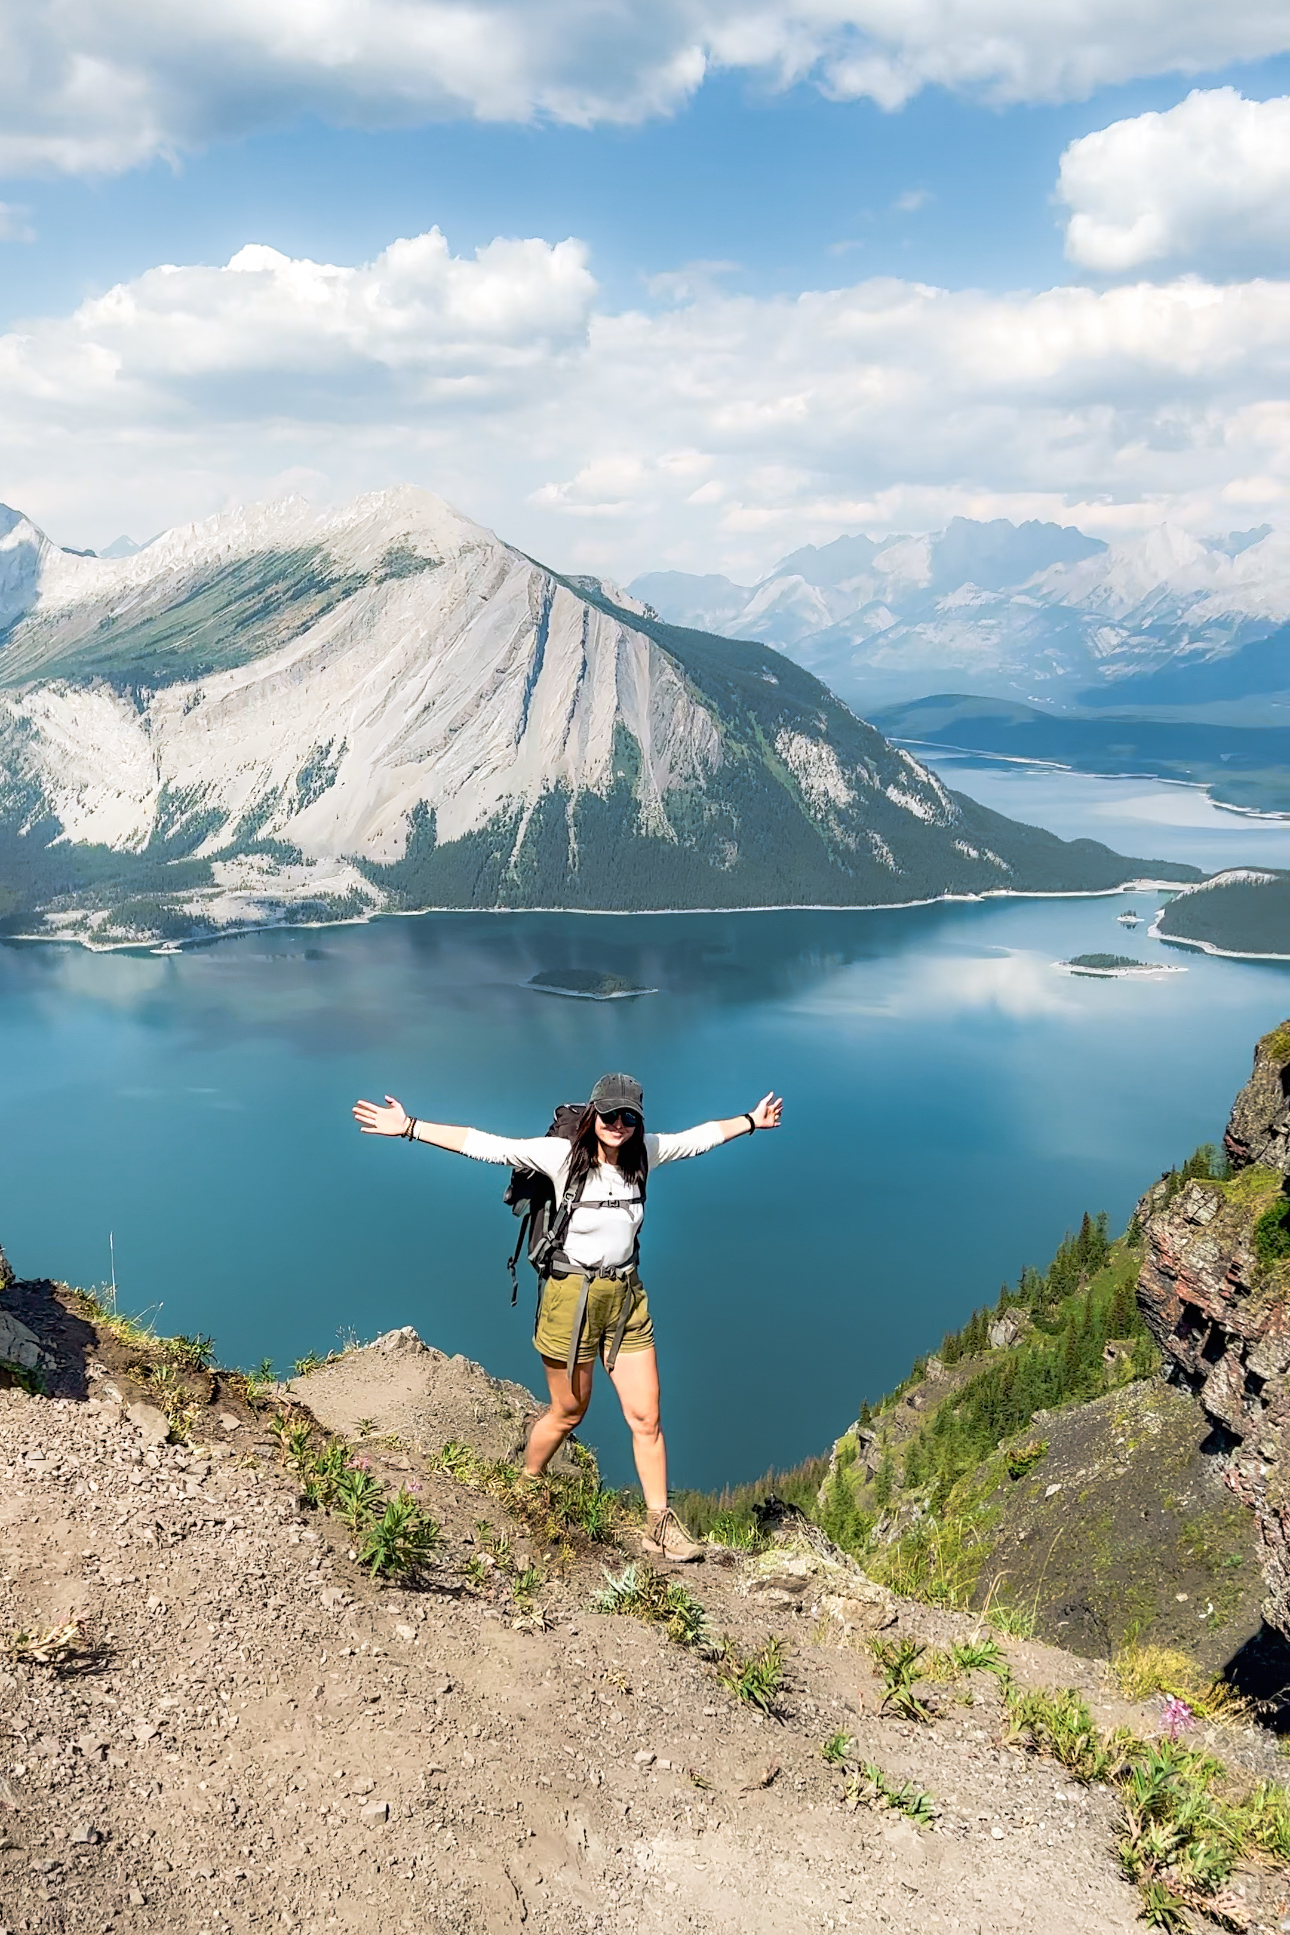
(648,283)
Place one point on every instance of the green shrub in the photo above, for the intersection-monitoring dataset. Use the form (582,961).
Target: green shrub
(356,1495)
(400,1541)
(1023,1458)
(1272,1233)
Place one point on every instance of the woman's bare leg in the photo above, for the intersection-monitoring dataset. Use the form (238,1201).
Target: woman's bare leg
(569,1403)
(635,1378)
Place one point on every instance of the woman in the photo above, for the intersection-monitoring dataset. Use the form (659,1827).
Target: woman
(593,1302)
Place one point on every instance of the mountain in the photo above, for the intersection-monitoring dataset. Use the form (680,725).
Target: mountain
(1018,611)
(286,714)
(1245,766)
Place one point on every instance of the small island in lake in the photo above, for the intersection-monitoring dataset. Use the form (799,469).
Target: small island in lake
(585,984)
(1108,965)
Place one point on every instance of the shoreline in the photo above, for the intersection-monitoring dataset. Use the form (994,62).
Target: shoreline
(585,994)
(1139,883)
(1143,972)
(1210,947)
(1059,766)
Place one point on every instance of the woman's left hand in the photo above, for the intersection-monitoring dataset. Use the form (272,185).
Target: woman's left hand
(768,1111)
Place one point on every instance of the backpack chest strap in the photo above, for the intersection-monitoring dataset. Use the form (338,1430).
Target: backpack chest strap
(611,1202)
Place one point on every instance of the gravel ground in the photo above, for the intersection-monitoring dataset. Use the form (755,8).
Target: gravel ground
(260,1737)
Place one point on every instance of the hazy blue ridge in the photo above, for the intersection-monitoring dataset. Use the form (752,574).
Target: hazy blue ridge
(1259,665)
(1247,766)
(1239,913)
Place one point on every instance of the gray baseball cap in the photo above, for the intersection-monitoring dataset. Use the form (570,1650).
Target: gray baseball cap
(619,1092)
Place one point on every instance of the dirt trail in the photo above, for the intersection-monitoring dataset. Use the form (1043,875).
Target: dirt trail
(267,1739)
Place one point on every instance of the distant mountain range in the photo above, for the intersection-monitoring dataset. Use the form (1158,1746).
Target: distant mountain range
(282,714)
(1030,612)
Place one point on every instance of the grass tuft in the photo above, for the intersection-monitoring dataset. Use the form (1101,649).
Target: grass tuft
(646,1594)
(1142,1671)
(555,1506)
(979,1656)
(61,1646)
(899,1662)
(879,1789)
(754,1681)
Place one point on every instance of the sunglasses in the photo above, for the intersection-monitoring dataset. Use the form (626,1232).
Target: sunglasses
(612,1118)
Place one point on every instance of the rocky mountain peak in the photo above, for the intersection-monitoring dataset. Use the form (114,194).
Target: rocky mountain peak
(1258,1130)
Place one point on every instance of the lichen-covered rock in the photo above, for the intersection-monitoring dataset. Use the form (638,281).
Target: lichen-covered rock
(6,1271)
(1218,1306)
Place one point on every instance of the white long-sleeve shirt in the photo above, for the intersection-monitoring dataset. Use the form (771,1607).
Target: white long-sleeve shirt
(599,1238)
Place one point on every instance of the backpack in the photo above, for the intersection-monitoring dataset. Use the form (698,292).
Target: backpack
(530,1194)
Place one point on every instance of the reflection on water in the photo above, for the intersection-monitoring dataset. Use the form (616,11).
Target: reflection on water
(952,1105)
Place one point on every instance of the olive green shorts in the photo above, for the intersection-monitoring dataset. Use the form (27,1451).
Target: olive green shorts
(553,1333)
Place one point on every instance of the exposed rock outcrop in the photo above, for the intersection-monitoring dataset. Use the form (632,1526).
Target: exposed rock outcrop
(1215,1293)
(399,1384)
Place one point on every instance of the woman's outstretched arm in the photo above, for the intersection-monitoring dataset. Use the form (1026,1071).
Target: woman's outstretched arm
(394,1119)
(710,1135)
(766,1115)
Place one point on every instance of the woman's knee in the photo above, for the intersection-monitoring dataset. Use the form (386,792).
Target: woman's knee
(569,1412)
(642,1420)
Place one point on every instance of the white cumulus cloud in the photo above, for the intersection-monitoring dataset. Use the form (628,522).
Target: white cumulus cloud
(1208,181)
(714,431)
(101,85)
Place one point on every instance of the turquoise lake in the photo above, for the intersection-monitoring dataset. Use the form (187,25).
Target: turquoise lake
(952,1105)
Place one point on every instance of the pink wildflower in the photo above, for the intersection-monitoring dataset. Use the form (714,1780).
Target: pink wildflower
(1175,1717)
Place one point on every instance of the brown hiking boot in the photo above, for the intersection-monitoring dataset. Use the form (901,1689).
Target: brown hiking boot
(664,1537)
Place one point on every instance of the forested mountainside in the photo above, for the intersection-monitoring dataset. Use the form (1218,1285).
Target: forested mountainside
(1245,910)
(1097,1458)
(290,715)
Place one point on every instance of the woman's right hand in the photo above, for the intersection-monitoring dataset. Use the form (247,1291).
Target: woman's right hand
(372,1119)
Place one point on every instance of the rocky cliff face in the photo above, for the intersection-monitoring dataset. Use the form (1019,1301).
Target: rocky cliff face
(1215,1293)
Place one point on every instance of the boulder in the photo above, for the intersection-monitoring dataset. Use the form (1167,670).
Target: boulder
(153,1425)
(864,1607)
(21,1346)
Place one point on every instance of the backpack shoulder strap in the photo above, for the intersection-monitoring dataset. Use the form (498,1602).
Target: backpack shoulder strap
(564,1214)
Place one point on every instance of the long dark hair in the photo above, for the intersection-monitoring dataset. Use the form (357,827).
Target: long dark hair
(632,1159)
